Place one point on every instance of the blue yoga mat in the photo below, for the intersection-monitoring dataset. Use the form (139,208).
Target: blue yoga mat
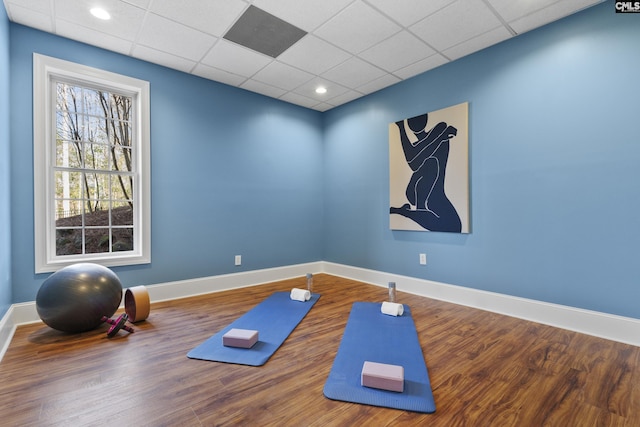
(274,319)
(376,337)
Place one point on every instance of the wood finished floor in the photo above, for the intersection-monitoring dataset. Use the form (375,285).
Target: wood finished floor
(485,369)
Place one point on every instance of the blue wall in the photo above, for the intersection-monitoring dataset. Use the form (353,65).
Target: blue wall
(554,168)
(232,172)
(5,185)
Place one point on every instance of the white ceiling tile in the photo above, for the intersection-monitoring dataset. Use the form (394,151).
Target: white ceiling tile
(282,75)
(456,23)
(355,47)
(96,38)
(218,75)
(421,66)
(410,11)
(476,44)
(163,58)
(35,19)
(397,52)
(162,34)
(377,84)
(140,3)
(511,10)
(353,72)
(323,106)
(313,55)
(344,97)
(228,56)
(209,16)
(304,14)
(124,23)
(357,28)
(298,99)
(42,6)
(549,14)
(263,89)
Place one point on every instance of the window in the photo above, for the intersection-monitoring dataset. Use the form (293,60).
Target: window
(91,166)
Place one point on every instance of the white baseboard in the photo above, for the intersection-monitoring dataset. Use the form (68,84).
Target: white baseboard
(192,287)
(603,325)
(18,314)
(7,329)
(25,313)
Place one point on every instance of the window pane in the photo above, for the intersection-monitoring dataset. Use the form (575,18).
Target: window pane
(69,241)
(96,240)
(96,214)
(121,214)
(66,126)
(68,213)
(121,159)
(91,102)
(96,131)
(97,187)
(120,132)
(68,97)
(68,154)
(121,187)
(68,185)
(122,239)
(121,107)
(97,156)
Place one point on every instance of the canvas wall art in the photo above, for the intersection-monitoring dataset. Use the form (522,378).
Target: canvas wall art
(429,171)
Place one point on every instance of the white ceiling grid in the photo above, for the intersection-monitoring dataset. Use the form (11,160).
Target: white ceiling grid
(353,47)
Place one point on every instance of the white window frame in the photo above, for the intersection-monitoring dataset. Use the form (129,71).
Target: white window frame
(47,70)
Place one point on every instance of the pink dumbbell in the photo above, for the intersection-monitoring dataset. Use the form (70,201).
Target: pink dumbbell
(117,324)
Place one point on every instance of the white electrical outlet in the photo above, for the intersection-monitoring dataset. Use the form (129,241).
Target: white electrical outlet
(238,259)
(423,259)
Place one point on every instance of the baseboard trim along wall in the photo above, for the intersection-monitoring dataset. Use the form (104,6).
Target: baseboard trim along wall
(7,328)
(26,313)
(603,325)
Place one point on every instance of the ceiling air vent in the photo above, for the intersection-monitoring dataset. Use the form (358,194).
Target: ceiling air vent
(263,32)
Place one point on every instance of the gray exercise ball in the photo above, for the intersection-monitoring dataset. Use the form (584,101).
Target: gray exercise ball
(74,298)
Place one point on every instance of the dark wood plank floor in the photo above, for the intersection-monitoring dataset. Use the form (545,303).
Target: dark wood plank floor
(486,370)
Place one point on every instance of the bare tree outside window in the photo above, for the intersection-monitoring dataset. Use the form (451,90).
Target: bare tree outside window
(94,179)
(92,162)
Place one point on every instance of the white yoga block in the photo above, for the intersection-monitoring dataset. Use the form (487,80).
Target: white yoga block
(383,376)
(243,338)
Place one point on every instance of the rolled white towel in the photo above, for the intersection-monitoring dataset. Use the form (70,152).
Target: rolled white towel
(300,294)
(392,308)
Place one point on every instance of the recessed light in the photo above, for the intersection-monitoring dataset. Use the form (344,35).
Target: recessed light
(100,13)
(321,89)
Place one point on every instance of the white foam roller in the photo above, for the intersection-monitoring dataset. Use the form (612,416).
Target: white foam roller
(392,308)
(300,294)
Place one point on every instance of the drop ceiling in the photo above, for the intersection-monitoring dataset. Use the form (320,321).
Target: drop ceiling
(351,47)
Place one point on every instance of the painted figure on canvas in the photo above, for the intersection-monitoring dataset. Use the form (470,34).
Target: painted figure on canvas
(427,153)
